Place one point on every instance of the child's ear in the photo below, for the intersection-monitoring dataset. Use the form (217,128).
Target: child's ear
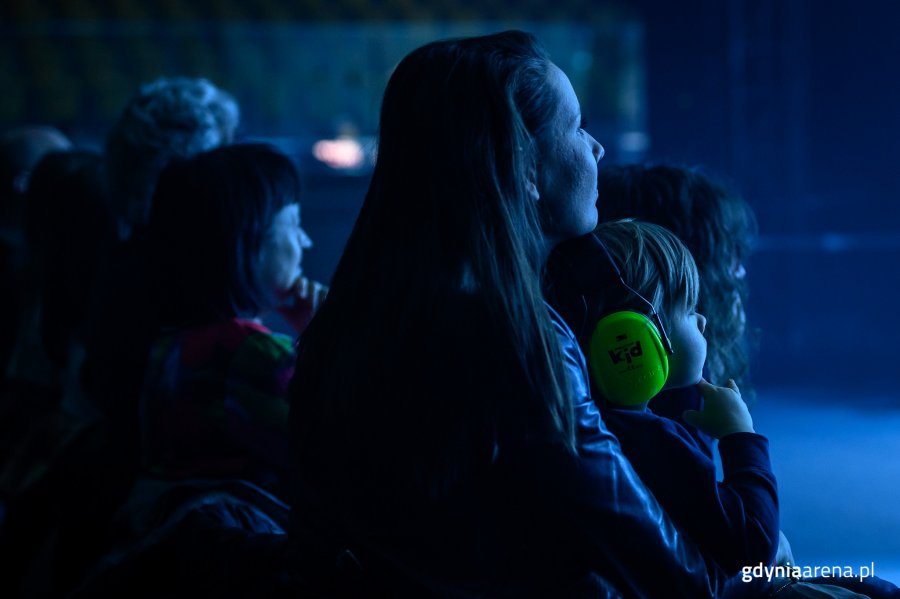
(533,193)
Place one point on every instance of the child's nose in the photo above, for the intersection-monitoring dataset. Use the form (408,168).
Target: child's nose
(701,323)
(305,240)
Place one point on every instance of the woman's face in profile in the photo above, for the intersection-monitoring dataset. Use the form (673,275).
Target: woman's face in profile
(282,249)
(567,169)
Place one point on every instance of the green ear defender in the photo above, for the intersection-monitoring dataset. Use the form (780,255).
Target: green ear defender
(628,351)
(628,358)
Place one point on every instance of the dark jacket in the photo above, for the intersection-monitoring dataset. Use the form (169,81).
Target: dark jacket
(534,521)
(734,521)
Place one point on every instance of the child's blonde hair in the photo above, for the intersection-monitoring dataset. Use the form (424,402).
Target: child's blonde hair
(653,262)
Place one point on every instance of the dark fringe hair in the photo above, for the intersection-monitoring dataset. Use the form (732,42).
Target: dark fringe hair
(209,217)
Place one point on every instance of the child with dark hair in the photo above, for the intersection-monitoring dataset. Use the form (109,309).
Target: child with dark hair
(224,244)
(735,521)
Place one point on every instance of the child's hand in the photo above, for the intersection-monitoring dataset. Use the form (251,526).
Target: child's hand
(724,412)
(301,302)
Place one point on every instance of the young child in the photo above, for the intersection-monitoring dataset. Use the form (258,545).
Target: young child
(224,244)
(735,521)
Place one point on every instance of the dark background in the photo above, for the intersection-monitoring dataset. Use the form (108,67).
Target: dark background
(797,103)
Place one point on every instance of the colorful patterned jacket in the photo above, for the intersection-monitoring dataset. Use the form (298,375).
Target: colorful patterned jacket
(214,403)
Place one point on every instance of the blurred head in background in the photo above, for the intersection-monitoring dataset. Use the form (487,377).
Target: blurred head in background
(170,118)
(20,150)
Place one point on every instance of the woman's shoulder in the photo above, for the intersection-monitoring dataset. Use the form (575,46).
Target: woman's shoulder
(573,358)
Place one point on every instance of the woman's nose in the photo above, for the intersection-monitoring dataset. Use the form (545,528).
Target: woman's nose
(597,149)
(701,322)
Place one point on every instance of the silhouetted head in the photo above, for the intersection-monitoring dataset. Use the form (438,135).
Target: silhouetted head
(20,150)
(470,138)
(68,228)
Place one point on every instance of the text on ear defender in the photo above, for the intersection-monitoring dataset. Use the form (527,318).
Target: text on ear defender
(626,352)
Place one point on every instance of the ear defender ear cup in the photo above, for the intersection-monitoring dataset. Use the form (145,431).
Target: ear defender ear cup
(627,359)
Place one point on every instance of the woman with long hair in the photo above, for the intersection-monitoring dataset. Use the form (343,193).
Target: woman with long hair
(443,438)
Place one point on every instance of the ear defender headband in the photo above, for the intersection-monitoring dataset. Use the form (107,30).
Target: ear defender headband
(628,351)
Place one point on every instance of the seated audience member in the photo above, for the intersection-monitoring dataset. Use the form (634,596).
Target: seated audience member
(55,484)
(444,442)
(642,334)
(66,227)
(171,118)
(224,243)
(20,150)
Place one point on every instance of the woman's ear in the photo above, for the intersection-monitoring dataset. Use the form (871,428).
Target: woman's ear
(533,192)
